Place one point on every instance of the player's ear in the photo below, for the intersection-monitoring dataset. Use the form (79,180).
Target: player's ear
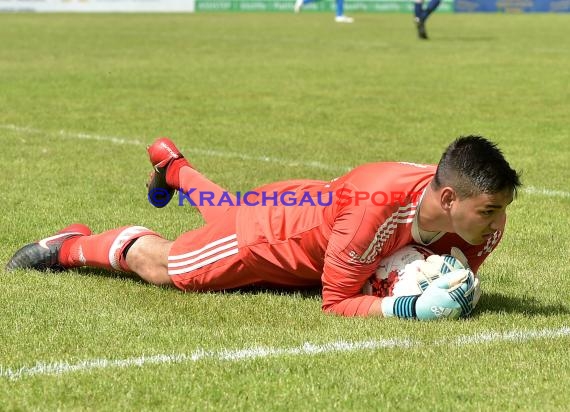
(447,197)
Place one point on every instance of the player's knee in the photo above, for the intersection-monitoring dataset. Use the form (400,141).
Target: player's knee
(152,271)
(148,258)
(157,276)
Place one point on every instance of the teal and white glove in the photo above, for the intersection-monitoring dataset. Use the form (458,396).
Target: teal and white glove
(417,275)
(436,265)
(452,295)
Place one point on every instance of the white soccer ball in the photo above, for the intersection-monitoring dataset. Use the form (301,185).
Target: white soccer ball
(398,260)
(399,274)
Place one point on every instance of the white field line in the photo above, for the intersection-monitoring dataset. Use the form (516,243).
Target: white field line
(307,349)
(200,152)
(531,190)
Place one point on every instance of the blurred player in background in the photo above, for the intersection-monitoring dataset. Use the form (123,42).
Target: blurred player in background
(339,18)
(308,233)
(421,15)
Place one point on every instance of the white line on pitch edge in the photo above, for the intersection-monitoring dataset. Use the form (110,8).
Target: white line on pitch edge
(531,190)
(307,349)
(201,152)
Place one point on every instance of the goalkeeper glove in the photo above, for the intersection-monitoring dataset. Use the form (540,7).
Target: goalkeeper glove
(436,265)
(452,295)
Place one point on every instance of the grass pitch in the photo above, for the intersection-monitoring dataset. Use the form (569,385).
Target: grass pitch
(254,98)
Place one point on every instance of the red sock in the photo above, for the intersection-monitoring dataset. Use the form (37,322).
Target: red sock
(173,172)
(101,251)
(190,178)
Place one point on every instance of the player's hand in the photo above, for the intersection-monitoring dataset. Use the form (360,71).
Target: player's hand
(436,265)
(450,296)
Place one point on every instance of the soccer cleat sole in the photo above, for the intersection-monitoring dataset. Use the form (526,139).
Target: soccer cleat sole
(33,256)
(159,193)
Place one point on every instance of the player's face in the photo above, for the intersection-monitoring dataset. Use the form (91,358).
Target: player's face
(476,218)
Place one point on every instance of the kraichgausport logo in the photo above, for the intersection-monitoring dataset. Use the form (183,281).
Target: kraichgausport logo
(341,197)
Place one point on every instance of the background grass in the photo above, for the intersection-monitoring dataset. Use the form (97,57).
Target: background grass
(253,98)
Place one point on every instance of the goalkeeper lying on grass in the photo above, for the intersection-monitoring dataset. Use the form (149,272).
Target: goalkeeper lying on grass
(308,233)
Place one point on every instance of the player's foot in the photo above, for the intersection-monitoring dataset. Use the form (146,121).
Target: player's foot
(421,26)
(162,153)
(43,255)
(343,19)
(298,6)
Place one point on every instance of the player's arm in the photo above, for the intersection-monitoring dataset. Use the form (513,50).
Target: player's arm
(344,273)
(342,284)
(453,289)
(452,295)
(349,262)
(347,266)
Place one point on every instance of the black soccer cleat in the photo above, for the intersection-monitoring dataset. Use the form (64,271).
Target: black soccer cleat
(421,26)
(161,153)
(43,255)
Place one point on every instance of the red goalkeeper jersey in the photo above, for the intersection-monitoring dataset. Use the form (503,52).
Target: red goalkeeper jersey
(303,233)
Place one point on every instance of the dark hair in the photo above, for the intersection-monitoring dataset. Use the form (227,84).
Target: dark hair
(472,165)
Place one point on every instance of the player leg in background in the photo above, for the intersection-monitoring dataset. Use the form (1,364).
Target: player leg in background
(339,18)
(173,172)
(422,15)
(299,5)
(133,249)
